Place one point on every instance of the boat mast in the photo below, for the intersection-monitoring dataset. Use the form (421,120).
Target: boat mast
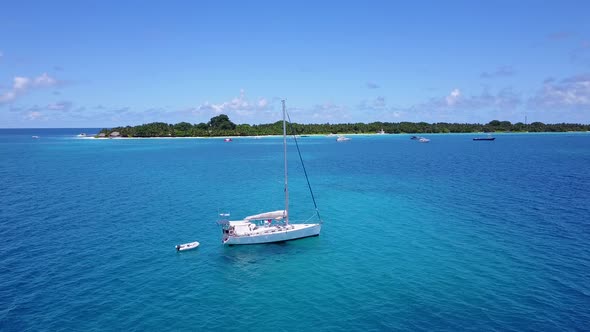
(285,152)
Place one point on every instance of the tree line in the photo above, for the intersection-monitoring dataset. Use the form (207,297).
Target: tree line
(221,125)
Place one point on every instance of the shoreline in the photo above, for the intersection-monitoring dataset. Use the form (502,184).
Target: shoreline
(336,135)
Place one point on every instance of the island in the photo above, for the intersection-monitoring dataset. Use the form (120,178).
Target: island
(221,125)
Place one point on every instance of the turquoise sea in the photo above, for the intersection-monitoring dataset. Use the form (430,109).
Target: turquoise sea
(450,235)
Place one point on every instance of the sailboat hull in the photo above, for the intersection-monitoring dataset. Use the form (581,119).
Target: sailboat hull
(298,231)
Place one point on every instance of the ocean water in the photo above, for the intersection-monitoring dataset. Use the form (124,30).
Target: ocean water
(450,235)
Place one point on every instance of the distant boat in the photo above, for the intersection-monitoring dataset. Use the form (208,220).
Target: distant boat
(381,132)
(227,140)
(488,138)
(35,137)
(271,226)
(81,135)
(342,139)
(420,139)
(187,246)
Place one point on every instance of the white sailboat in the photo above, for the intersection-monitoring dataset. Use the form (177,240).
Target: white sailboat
(342,138)
(271,226)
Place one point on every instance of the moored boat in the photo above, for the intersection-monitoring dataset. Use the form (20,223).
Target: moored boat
(267,227)
(488,138)
(420,139)
(187,246)
(274,226)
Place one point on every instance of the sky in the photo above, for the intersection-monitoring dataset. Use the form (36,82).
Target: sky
(93,64)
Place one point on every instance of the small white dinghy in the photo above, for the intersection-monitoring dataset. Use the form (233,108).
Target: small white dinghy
(187,246)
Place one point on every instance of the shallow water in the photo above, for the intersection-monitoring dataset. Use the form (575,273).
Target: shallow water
(449,235)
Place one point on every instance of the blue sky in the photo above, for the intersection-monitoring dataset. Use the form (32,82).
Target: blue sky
(111,63)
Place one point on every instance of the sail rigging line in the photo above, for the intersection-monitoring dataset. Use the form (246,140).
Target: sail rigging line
(286,165)
(303,166)
(310,217)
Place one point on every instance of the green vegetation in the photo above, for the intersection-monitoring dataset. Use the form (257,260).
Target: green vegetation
(222,126)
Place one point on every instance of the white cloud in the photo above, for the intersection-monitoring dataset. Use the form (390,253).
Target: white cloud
(45,80)
(329,112)
(570,93)
(34,116)
(455,105)
(262,103)
(240,103)
(7,96)
(239,107)
(505,99)
(22,85)
(62,110)
(453,97)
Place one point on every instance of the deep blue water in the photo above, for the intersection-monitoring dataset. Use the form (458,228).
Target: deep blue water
(449,235)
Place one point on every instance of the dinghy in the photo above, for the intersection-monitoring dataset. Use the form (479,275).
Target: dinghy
(187,246)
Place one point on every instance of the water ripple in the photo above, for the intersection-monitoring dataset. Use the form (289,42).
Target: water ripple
(448,236)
